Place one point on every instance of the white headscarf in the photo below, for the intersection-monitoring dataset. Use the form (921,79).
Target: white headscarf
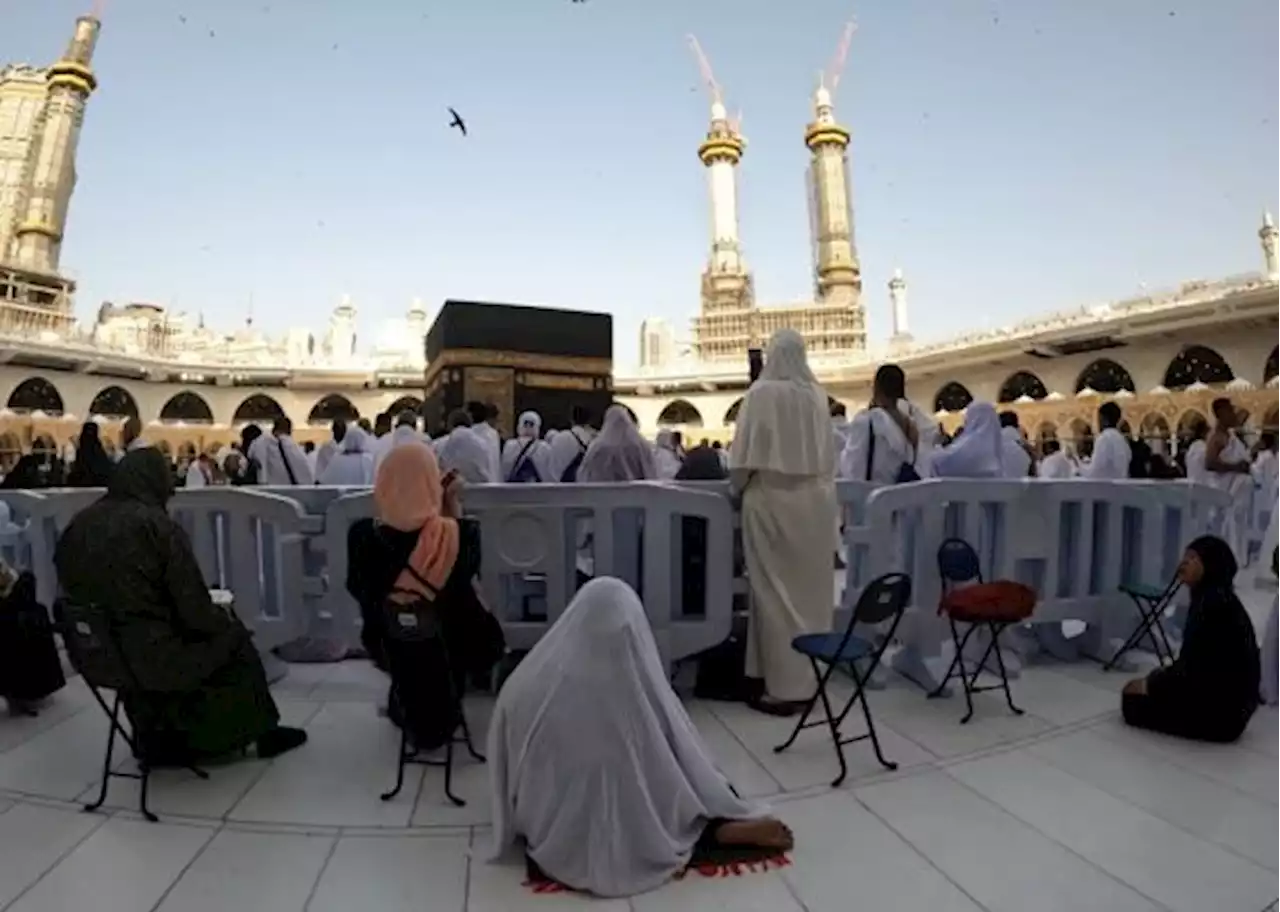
(665,458)
(527,446)
(529,425)
(353,463)
(618,452)
(463,451)
(784,424)
(593,761)
(977,453)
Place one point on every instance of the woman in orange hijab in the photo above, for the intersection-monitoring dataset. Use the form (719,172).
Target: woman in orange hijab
(420,551)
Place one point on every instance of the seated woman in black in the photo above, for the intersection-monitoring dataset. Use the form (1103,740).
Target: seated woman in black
(420,554)
(1211,691)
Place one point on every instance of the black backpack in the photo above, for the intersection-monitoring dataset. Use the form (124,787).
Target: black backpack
(570,473)
(524,471)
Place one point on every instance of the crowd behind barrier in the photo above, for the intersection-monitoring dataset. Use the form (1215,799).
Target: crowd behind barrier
(282,551)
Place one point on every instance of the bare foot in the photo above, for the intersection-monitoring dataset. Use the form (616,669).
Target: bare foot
(768,833)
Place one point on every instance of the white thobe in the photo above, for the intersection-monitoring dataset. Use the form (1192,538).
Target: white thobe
(270,452)
(1111,457)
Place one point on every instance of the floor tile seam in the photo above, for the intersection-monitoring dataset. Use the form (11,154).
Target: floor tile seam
(1151,813)
(164,896)
(1005,747)
(917,851)
(819,789)
(1149,751)
(466,883)
(56,862)
(1007,812)
(315,884)
(418,792)
(747,750)
(244,793)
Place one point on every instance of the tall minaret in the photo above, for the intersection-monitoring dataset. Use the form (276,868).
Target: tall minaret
(38,238)
(898,303)
(1267,234)
(839,275)
(726,284)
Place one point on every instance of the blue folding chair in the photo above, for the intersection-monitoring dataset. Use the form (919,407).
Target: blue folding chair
(884,598)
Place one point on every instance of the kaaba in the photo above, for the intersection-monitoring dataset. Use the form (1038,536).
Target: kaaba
(517,358)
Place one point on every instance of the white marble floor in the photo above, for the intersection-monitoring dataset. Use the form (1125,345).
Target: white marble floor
(1062,809)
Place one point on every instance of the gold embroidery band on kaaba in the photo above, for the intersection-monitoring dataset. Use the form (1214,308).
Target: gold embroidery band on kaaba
(555,364)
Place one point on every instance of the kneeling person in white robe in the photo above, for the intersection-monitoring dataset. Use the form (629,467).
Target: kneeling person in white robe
(595,766)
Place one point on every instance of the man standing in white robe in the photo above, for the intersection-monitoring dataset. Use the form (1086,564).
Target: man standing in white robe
(571,445)
(463,451)
(1111,452)
(783,462)
(890,433)
(483,418)
(279,458)
(1227,460)
(333,445)
(1055,465)
(406,431)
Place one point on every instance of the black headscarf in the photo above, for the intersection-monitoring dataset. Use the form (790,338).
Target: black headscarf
(702,463)
(142,476)
(92,467)
(25,474)
(1219,565)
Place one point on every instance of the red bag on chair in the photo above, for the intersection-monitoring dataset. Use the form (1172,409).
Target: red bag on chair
(1002,601)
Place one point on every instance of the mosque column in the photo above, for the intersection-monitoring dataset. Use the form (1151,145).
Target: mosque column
(38,238)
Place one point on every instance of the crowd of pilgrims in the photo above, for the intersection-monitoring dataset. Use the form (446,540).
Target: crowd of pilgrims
(599,778)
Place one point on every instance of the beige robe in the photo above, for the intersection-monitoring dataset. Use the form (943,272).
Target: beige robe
(788,534)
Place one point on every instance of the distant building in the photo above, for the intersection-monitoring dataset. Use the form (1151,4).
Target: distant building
(657,343)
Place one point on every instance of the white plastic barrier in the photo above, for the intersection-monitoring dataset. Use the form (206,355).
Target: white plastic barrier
(249,542)
(283,551)
(530,531)
(1072,541)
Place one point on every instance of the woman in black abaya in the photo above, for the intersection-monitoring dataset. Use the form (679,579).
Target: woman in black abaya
(1211,691)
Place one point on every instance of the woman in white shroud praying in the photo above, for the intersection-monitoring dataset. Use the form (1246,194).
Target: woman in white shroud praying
(352,464)
(976,453)
(596,769)
(783,461)
(618,452)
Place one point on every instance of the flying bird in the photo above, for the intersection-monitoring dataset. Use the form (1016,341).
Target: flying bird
(458,122)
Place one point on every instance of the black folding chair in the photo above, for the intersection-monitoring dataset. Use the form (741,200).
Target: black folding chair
(418,624)
(994,605)
(1152,602)
(884,598)
(93,646)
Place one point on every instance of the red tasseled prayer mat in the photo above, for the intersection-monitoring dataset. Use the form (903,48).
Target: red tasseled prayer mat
(718,861)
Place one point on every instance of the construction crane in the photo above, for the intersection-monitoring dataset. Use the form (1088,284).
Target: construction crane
(705,67)
(831,78)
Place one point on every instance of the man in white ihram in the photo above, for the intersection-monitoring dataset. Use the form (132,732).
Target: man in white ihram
(891,433)
(406,431)
(1111,452)
(280,460)
(483,417)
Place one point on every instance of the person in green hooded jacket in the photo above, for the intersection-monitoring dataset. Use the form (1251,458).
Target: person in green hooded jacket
(203,692)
